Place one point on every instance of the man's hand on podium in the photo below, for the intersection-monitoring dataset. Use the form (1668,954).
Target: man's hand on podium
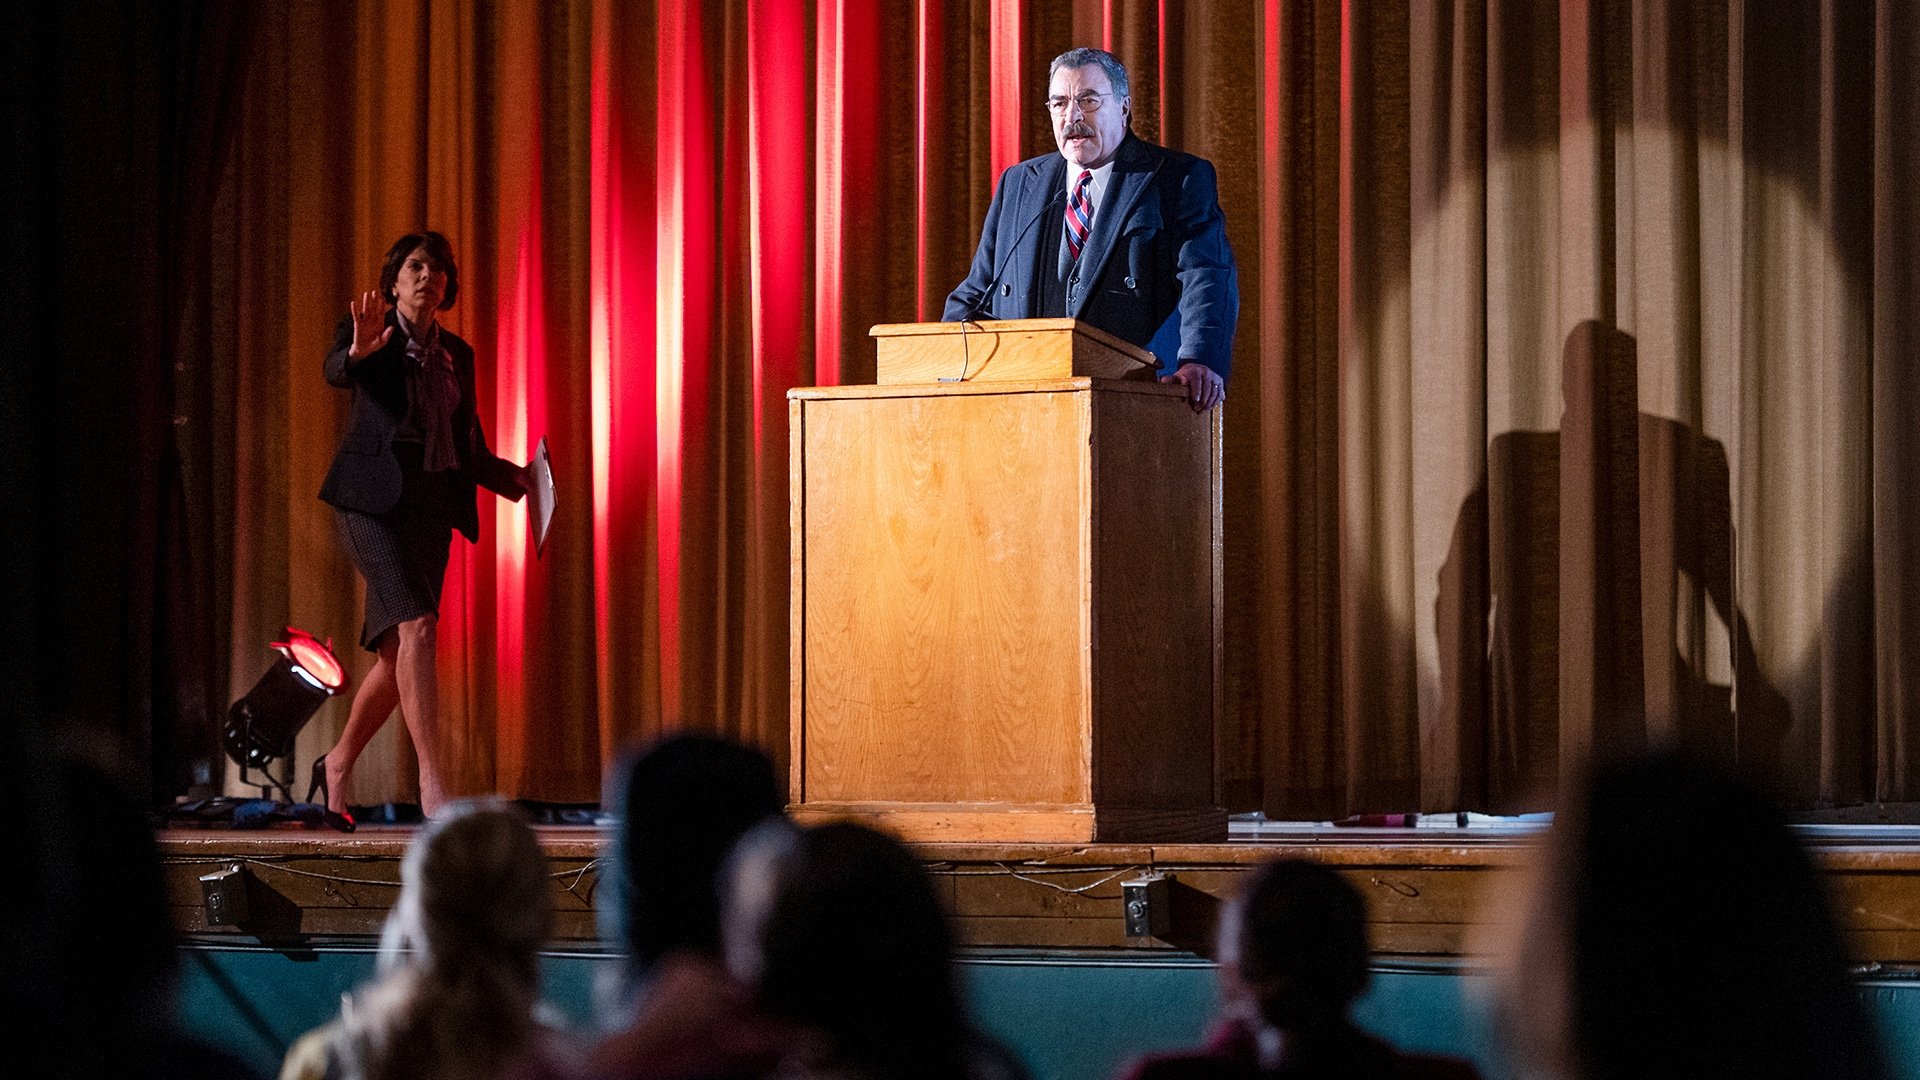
(1205,388)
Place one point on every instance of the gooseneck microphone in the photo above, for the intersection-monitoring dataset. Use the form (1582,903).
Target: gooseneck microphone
(979,306)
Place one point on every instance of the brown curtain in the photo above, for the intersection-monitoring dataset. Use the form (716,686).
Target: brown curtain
(1599,314)
(1573,403)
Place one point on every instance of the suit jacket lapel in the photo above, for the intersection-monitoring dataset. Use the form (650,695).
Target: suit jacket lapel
(391,362)
(1045,179)
(1133,170)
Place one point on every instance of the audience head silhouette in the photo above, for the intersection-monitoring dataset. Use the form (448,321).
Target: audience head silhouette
(89,949)
(683,803)
(1293,946)
(474,889)
(459,961)
(1678,930)
(1293,957)
(837,930)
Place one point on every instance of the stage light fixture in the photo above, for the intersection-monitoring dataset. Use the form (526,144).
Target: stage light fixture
(261,726)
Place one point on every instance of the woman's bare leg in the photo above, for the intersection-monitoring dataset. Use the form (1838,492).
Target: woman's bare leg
(372,704)
(420,704)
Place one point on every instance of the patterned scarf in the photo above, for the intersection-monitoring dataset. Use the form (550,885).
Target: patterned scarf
(436,396)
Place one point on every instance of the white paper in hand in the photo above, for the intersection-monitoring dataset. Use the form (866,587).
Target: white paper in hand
(540,496)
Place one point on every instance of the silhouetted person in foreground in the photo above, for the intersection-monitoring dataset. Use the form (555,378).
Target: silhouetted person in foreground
(838,964)
(673,1011)
(90,952)
(837,932)
(1676,929)
(1293,957)
(683,803)
(459,975)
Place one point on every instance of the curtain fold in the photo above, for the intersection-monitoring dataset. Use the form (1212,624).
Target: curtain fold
(1448,276)
(1896,403)
(1572,406)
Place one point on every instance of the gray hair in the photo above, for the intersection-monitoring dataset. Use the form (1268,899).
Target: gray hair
(1109,63)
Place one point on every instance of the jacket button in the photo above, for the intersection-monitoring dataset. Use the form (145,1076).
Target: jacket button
(1129,282)
(1006,290)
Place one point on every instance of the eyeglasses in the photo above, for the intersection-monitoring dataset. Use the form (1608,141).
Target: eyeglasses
(1089,102)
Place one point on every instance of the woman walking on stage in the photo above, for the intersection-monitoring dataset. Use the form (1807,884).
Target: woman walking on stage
(402,481)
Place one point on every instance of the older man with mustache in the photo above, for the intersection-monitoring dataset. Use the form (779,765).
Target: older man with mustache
(1113,230)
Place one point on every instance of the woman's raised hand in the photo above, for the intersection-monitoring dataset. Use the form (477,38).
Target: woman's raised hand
(370,329)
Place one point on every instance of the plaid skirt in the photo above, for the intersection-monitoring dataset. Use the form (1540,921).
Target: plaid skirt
(403,563)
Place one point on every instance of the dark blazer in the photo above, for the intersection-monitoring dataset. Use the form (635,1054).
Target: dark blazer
(365,475)
(1156,270)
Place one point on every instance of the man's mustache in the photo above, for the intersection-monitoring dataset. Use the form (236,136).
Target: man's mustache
(1083,131)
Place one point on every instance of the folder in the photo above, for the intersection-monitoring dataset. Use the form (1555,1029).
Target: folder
(540,496)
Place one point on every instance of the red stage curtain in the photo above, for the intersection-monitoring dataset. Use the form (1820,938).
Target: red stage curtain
(1572,405)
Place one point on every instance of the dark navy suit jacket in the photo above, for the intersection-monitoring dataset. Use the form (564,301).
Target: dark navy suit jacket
(365,475)
(1156,270)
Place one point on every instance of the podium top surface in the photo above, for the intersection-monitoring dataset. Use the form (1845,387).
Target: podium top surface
(1076,384)
(976,326)
(1004,350)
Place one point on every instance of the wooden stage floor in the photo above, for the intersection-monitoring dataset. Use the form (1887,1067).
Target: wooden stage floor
(1427,889)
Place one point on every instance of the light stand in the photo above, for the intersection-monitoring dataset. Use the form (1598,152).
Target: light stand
(261,726)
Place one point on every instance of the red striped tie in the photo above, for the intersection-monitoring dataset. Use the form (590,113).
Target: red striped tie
(1079,215)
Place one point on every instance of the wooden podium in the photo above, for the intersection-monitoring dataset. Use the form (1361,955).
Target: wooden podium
(1006,592)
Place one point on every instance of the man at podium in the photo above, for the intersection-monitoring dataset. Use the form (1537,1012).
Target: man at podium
(1113,230)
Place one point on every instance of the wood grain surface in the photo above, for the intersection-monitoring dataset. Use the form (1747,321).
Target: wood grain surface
(1153,611)
(1425,897)
(1004,350)
(1004,596)
(943,583)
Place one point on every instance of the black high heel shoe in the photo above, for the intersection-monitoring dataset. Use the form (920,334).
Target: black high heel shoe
(317,785)
(317,781)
